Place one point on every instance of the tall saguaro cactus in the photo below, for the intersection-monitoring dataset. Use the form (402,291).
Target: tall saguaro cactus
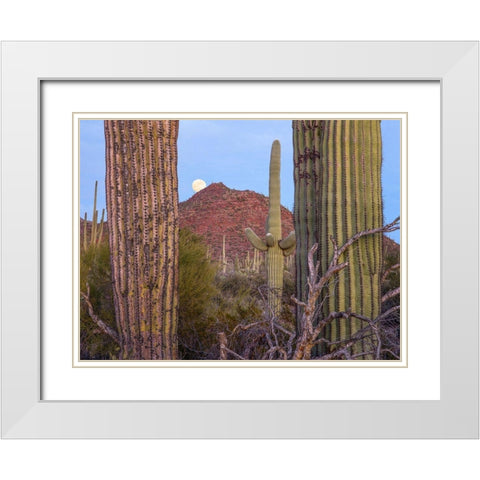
(275,247)
(337,173)
(142,215)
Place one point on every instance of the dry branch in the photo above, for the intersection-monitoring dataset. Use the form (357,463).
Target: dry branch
(96,319)
(299,345)
(390,270)
(391,294)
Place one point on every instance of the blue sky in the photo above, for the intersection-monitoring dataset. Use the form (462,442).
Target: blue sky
(234,152)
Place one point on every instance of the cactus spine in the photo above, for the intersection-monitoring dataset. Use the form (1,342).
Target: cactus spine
(275,247)
(337,174)
(142,206)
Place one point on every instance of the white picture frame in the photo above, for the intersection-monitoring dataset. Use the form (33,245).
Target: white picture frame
(26,64)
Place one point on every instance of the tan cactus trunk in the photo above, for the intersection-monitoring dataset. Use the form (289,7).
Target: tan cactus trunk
(142,210)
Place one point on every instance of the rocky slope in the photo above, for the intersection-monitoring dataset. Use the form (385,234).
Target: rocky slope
(218,210)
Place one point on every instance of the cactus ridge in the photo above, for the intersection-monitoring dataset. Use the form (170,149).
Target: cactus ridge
(276,248)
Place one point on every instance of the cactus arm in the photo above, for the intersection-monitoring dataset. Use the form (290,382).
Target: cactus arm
(288,242)
(269,240)
(100,233)
(288,251)
(255,240)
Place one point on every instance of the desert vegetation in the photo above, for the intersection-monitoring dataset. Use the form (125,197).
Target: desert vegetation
(153,291)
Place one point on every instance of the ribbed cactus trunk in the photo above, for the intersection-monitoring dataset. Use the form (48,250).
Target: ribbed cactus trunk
(274,246)
(142,211)
(337,172)
(274,262)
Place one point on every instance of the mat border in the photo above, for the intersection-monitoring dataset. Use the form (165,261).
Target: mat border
(26,64)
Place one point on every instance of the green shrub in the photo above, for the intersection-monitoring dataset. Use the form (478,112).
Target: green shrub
(95,270)
(210,302)
(196,291)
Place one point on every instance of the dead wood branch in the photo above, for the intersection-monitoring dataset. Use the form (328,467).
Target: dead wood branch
(310,327)
(281,343)
(96,319)
(390,270)
(224,350)
(391,294)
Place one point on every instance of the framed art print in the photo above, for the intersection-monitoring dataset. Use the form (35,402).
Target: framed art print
(196,247)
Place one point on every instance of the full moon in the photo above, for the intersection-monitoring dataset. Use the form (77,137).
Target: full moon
(198,185)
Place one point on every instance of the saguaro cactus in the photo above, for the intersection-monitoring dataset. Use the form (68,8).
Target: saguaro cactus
(275,247)
(95,235)
(142,211)
(337,172)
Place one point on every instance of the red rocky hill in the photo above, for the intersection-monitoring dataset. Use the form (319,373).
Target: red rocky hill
(218,210)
